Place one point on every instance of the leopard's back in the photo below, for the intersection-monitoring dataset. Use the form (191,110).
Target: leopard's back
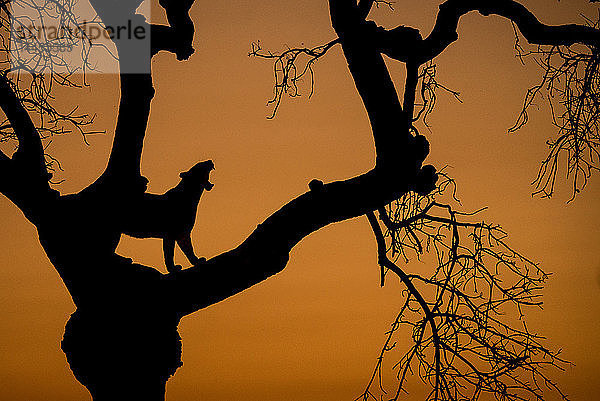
(169,215)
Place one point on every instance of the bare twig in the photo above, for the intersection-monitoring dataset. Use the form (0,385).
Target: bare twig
(290,67)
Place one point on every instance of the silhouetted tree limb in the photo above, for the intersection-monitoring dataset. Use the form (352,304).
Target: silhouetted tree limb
(25,178)
(136,90)
(266,250)
(123,166)
(444,31)
(30,150)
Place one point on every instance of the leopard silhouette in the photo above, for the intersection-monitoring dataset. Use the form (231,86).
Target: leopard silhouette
(172,215)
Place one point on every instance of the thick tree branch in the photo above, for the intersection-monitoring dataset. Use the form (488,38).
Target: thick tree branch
(24,178)
(410,89)
(123,168)
(163,37)
(135,52)
(444,31)
(266,250)
(134,109)
(364,8)
(373,82)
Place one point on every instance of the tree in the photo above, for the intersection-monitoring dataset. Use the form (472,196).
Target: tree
(112,310)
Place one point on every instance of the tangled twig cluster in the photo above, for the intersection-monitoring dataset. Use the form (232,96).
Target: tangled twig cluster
(469,336)
(36,66)
(571,84)
(290,67)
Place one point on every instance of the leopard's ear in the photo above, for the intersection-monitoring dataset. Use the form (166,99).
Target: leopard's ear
(184,174)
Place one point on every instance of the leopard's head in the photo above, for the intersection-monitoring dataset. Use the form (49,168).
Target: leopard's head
(199,174)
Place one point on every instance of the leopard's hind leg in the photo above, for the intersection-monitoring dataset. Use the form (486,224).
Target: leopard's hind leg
(169,253)
(185,244)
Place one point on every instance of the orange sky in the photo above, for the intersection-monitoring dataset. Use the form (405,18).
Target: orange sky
(313,331)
